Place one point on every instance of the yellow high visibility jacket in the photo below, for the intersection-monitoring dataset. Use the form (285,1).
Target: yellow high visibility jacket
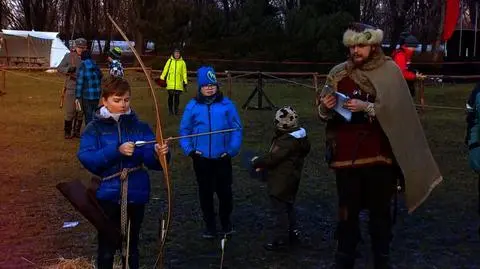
(176,72)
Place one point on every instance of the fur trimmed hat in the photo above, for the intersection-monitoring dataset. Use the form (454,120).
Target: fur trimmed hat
(286,118)
(362,34)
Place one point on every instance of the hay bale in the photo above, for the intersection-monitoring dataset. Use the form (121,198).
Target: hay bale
(78,263)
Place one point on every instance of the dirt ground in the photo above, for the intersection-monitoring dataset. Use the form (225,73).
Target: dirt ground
(34,157)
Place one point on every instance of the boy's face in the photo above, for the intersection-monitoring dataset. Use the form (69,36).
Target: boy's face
(117,104)
(208,90)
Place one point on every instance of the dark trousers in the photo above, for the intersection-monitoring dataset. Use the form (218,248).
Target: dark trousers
(214,176)
(479,200)
(106,250)
(411,87)
(89,107)
(283,219)
(368,188)
(173,101)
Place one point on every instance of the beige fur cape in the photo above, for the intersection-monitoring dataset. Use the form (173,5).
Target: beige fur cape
(399,120)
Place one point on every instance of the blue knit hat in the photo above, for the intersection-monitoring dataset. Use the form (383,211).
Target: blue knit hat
(206,76)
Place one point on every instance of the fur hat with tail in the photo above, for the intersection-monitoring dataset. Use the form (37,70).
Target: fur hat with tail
(362,34)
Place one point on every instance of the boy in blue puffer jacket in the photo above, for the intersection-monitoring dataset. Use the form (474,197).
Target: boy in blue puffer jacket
(211,154)
(107,148)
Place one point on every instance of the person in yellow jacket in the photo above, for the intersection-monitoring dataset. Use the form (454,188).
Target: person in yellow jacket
(175,74)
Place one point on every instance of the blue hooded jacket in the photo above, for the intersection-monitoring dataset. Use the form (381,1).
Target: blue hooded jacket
(203,114)
(99,154)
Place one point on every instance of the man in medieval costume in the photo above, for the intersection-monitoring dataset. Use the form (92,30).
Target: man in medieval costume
(72,111)
(366,148)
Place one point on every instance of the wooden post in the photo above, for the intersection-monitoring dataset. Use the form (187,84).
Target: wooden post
(315,85)
(149,72)
(229,81)
(422,95)
(28,48)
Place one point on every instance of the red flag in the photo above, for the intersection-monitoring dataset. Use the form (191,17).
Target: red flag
(452,10)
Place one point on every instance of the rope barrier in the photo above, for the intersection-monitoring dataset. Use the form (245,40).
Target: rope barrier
(266,74)
(290,81)
(36,78)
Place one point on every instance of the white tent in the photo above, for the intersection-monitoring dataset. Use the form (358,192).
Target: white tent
(32,48)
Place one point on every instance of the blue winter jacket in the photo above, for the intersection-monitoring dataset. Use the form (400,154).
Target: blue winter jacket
(99,154)
(199,117)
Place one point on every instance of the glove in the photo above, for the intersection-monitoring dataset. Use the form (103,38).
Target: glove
(185,87)
(225,155)
(72,69)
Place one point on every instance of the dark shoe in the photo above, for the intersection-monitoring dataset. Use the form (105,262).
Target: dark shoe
(275,245)
(344,261)
(294,237)
(209,234)
(381,261)
(78,127)
(68,129)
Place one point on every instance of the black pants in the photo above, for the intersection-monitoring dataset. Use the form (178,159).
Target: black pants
(365,188)
(106,250)
(173,101)
(284,220)
(214,176)
(89,107)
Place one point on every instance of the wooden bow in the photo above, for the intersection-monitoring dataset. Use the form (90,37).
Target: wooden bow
(163,158)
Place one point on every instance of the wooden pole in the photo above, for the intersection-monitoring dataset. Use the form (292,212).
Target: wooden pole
(28,48)
(149,71)
(229,79)
(315,86)
(422,95)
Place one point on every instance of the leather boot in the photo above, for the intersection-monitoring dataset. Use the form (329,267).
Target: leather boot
(344,261)
(68,129)
(78,127)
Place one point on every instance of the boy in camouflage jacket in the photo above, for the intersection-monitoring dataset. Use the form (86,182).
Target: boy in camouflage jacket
(284,163)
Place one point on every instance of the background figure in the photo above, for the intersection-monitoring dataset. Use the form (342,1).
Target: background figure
(403,56)
(68,66)
(212,154)
(175,73)
(88,90)
(114,64)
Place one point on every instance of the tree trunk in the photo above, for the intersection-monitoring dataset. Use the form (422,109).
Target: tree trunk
(68,23)
(436,46)
(226,10)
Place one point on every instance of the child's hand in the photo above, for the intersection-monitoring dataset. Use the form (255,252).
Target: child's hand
(127,148)
(161,149)
(258,169)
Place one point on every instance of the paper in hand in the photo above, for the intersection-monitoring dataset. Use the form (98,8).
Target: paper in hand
(341,99)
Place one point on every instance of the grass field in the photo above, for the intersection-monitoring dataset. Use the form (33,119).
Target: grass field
(34,157)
